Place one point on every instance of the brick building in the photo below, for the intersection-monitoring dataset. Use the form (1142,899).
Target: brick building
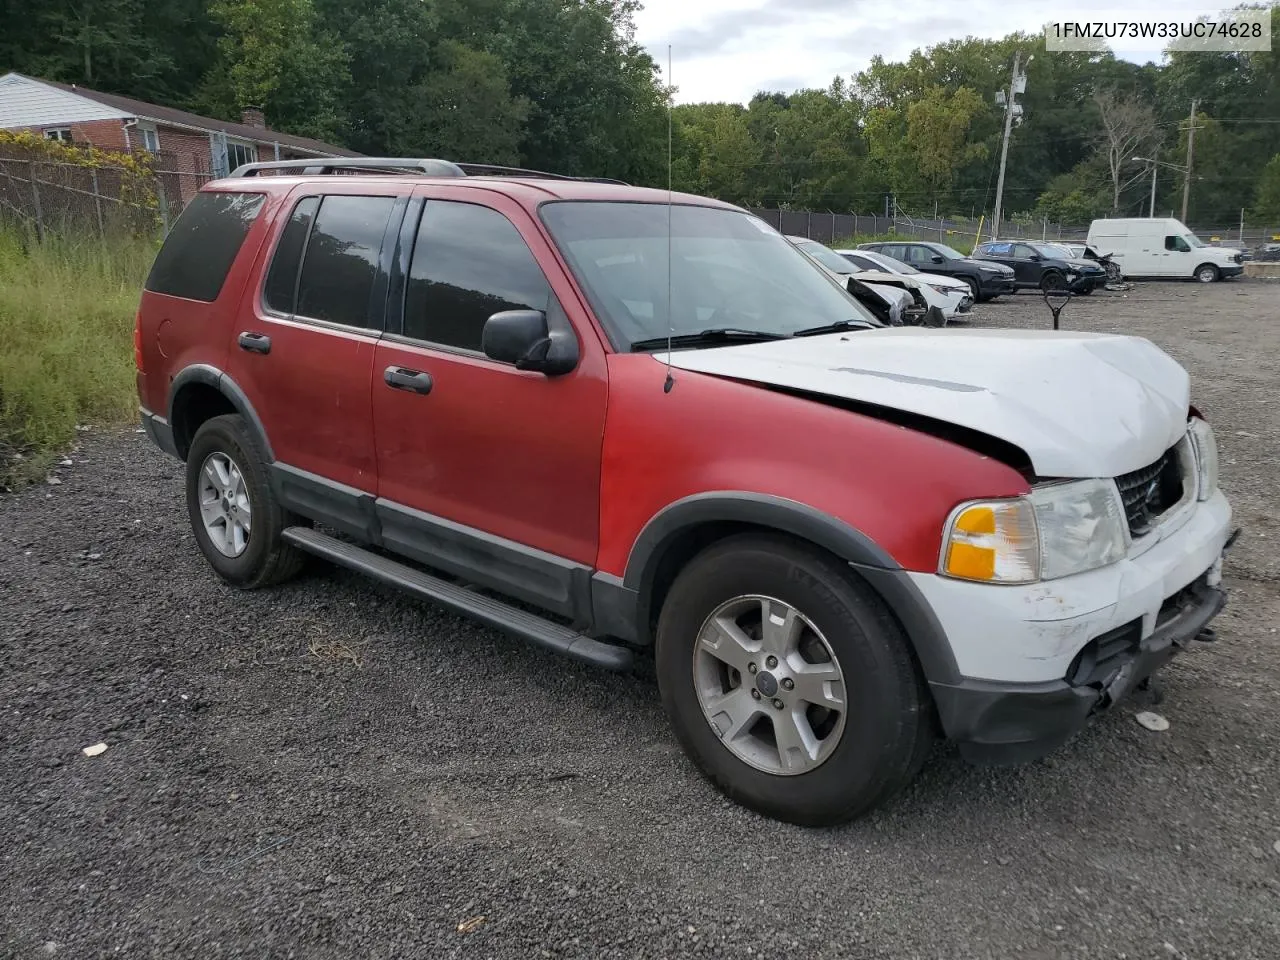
(190,148)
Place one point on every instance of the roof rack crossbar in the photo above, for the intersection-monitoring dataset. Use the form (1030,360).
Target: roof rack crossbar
(330,165)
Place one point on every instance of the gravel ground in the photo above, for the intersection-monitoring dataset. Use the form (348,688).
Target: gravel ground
(330,770)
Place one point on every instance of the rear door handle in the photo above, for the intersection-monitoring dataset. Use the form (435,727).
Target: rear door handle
(402,378)
(255,342)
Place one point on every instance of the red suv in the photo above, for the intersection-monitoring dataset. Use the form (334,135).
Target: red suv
(654,422)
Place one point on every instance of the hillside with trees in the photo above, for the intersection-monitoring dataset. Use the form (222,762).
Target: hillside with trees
(562,85)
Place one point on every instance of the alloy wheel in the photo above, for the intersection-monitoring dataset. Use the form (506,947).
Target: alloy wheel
(224,504)
(769,684)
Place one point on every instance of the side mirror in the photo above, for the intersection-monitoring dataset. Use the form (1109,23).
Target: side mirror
(522,337)
(1036,258)
(937,258)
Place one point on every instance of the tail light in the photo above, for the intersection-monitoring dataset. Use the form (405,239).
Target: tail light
(137,341)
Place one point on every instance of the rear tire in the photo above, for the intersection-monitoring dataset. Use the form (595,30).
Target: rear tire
(1207,273)
(879,710)
(234,514)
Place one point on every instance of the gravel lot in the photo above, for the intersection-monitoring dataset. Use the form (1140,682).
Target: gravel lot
(330,770)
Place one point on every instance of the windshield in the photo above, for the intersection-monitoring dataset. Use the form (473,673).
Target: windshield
(888,263)
(827,257)
(948,252)
(1193,240)
(728,269)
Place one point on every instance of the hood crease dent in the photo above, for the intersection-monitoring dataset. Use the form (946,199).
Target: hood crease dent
(1078,404)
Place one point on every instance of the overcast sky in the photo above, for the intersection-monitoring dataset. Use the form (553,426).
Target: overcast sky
(729,49)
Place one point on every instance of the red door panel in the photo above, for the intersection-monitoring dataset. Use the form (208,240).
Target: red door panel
(510,453)
(312,395)
(513,454)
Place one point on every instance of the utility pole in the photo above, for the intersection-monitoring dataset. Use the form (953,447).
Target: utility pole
(1154,157)
(1186,176)
(1017,84)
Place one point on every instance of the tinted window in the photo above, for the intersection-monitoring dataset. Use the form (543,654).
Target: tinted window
(1176,243)
(342,259)
(469,262)
(919,254)
(282,278)
(1023,251)
(202,245)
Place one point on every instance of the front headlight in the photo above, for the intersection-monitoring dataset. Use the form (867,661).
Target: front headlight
(1205,447)
(938,288)
(1055,531)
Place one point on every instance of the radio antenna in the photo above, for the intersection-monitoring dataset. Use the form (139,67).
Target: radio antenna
(671,320)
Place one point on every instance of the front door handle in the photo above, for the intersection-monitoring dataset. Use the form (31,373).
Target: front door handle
(255,342)
(402,378)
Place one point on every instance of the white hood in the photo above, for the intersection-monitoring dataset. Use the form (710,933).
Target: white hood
(1079,404)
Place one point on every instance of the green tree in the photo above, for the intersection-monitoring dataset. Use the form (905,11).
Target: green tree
(463,110)
(274,56)
(1266,206)
(390,49)
(937,135)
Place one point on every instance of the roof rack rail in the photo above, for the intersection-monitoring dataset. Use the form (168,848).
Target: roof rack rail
(493,169)
(425,166)
(323,165)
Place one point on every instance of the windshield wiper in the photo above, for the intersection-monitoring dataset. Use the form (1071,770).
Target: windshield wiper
(715,335)
(836,327)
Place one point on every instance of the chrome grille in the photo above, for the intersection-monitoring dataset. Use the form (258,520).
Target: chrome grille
(1147,493)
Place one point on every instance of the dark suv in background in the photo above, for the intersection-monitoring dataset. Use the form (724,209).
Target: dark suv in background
(1043,266)
(987,280)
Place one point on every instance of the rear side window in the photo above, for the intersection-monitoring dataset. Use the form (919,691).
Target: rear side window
(282,277)
(469,262)
(203,244)
(341,260)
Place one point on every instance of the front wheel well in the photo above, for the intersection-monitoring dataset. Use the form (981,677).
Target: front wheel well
(194,404)
(929,646)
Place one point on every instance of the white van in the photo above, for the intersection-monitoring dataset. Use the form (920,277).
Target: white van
(1163,247)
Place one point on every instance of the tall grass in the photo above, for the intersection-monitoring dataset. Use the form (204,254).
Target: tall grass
(66,341)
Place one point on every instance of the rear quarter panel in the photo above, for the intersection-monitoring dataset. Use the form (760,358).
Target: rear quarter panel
(895,485)
(178,333)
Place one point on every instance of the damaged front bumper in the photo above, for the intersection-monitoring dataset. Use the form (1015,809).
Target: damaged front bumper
(1035,662)
(1014,723)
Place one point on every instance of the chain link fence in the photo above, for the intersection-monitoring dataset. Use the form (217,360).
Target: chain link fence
(63,198)
(828,227)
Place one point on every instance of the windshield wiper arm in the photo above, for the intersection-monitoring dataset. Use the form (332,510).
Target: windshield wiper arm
(836,327)
(716,335)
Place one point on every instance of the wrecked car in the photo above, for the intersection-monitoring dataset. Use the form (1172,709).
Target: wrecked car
(619,423)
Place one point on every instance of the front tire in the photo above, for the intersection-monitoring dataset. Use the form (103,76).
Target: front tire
(789,683)
(1206,273)
(235,517)
(1053,281)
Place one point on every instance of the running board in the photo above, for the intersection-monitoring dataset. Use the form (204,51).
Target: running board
(529,626)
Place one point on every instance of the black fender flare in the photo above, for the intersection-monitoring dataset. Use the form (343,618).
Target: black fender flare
(210,375)
(868,559)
